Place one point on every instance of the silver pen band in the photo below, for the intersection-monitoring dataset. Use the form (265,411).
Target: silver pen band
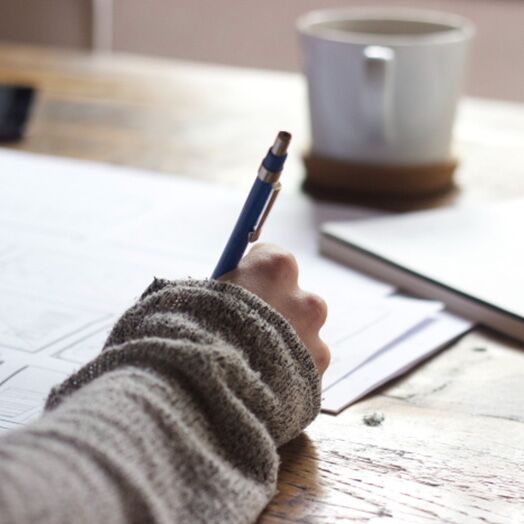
(268,176)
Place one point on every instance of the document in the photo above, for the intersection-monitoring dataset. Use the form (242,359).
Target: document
(393,360)
(79,243)
(352,342)
(25,382)
(86,347)
(31,323)
(24,392)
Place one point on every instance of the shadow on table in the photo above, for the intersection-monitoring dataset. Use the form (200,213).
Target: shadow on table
(298,482)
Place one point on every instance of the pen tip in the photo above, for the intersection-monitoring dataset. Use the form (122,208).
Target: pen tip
(281,143)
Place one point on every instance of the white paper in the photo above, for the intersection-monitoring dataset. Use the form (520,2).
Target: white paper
(25,381)
(23,394)
(394,360)
(335,283)
(80,241)
(89,275)
(31,323)
(395,317)
(87,347)
(65,198)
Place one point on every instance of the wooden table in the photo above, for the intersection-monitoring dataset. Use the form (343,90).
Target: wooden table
(451,447)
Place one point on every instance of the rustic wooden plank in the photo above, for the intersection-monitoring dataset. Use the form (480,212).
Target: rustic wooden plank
(419,464)
(172,116)
(451,446)
(208,122)
(483,377)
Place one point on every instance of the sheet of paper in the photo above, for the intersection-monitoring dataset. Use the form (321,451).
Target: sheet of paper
(30,323)
(25,381)
(87,347)
(65,198)
(394,360)
(353,344)
(80,241)
(334,283)
(23,394)
(91,275)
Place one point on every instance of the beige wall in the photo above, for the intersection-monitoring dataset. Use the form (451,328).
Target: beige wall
(260,33)
(48,22)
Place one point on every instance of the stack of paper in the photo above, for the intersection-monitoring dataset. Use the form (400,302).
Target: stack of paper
(374,335)
(79,242)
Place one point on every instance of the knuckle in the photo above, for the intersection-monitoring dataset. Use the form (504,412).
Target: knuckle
(280,265)
(323,357)
(316,307)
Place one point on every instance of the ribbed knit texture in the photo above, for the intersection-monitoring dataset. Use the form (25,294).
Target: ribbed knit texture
(177,420)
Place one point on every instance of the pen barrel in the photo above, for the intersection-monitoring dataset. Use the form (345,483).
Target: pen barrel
(246,224)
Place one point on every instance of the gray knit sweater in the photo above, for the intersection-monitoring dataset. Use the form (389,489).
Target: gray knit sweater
(177,420)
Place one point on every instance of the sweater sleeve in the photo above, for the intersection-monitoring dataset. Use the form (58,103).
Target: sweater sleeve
(177,420)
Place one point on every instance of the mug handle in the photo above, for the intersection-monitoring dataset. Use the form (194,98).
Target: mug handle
(378,94)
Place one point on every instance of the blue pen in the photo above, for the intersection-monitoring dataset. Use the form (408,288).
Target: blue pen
(257,206)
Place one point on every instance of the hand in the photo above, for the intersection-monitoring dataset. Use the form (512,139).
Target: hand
(272,274)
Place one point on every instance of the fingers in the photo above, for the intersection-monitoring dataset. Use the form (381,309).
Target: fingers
(266,265)
(311,313)
(273,264)
(272,273)
(320,353)
(313,308)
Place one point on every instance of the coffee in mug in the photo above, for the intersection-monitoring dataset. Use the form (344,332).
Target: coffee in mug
(383,88)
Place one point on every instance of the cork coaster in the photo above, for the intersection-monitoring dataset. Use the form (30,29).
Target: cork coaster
(341,179)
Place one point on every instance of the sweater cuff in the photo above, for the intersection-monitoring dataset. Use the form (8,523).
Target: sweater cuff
(271,345)
(271,316)
(232,317)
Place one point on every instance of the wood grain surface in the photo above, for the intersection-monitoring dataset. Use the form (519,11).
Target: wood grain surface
(451,446)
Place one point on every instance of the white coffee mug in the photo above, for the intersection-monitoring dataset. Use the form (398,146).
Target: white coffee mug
(384,83)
